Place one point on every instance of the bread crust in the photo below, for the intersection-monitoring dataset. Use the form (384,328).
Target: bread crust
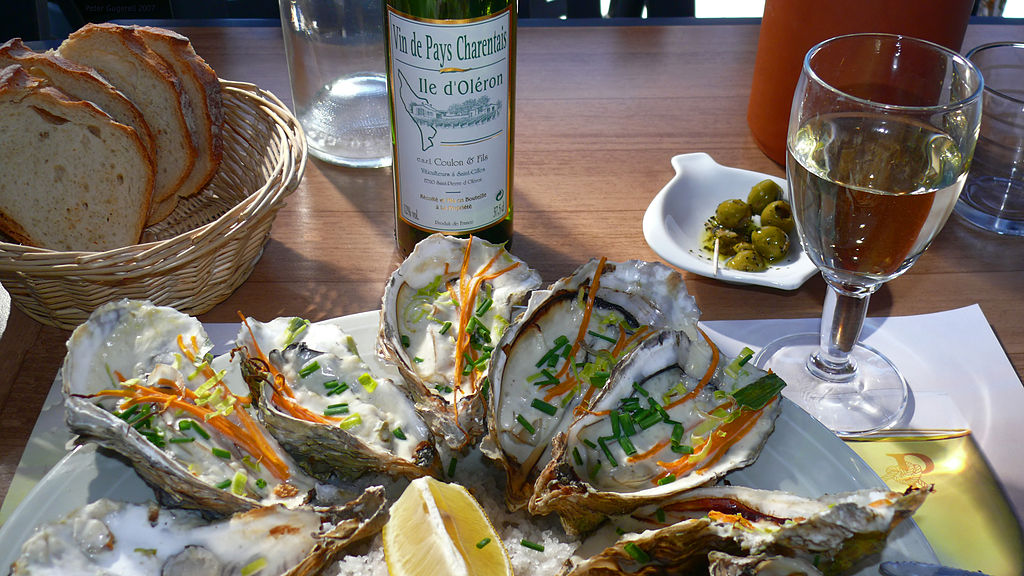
(79,82)
(109,48)
(63,194)
(204,93)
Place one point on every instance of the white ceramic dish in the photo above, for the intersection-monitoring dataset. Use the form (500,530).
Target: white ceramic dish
(674,222)
(801,457)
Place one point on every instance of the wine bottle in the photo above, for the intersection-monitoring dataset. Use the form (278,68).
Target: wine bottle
(451,90)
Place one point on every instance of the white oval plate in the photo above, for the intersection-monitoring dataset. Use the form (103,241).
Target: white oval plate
(674,222)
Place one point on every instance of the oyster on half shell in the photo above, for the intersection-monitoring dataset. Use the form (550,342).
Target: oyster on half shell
(109,537)
(722,564)
(674,415)
(559,353)
(442,314)
(834,533)
(333,412)
(140,380)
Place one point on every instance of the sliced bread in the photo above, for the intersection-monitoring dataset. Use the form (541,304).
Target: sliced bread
(76,179)
(78,82)
(207,111)
(148,81)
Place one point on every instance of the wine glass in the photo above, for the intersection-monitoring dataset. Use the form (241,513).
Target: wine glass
(880,139)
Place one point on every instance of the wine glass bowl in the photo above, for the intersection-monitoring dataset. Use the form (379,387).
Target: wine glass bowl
(880,139)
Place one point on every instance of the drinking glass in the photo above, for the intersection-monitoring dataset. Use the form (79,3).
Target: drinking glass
(880,139)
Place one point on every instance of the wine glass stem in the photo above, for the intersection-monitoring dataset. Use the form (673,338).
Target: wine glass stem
(841,323)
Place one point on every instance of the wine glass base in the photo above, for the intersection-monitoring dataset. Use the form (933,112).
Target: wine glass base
(873,399)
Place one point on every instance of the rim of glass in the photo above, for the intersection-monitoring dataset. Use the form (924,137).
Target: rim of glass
(954,56)
(989,46)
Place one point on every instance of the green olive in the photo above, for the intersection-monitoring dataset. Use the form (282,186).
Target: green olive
(770,242)
(727,240)
(762,194)
(778,214)
(747,261)
(741,246)
(733,214)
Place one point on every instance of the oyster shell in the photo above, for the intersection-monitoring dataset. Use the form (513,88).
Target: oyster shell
(558,355)
(722,564)
(108,537)
(834,532)
(327,407)
(137,379)
(442,313)
(673,416)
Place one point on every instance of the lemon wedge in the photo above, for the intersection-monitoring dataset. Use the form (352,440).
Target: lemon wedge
(439,528)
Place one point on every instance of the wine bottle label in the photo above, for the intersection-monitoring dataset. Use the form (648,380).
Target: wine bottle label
(450,91)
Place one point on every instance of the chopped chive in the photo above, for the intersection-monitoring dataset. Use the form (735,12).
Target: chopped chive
(590,444)
(485,385)
(183,440)
(127,414)
(596,468)
(660,515)
(627,446)
(331,384)
(682,448)
(483,543)
(677,433)
(532,545)
(451,467)
(637,553)
(221,453)
(626,421)
(640,389)
(445,327)
(544,407)
(338,389)
(405,341)
(667,480)
(602,337)
(417,359)
(661,411)
(649,419)
(261,483)
(483,307)
(336,409)
(368,382)
(193,425)
(398,433)
(223,485)
(350,421)
(525,424)
(616,425)
(607,452)
(576,456)
(309,369)
(599,379)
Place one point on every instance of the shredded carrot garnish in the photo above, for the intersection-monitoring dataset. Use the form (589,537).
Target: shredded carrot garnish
(715,355)
(649,453)
(719,440)
(730,518)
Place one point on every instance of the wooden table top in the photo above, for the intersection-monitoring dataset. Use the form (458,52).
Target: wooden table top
(600,112)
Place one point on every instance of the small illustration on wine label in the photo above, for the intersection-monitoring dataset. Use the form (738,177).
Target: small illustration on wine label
(427,118)
(910,469)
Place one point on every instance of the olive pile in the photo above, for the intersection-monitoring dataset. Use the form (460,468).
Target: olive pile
(752,246)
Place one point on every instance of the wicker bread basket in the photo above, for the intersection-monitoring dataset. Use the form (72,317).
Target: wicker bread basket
(202,252)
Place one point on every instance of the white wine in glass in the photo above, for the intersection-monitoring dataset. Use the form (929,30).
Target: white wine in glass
(880,140)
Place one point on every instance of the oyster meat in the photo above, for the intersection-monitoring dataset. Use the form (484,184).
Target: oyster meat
(140,379)
(442,314)
(833,533)
(673,415)
(109,537)
(558,355)
(722,564)
(334,413)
